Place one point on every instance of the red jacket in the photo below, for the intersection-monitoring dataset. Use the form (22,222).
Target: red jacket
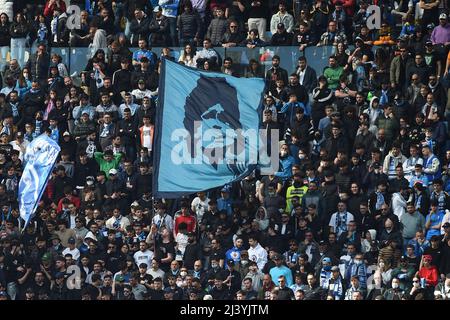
(430,275)
(348,5)
(75,200)
(48,10)
(189,220)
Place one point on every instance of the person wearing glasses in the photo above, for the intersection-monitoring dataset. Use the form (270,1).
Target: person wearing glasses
(233,37)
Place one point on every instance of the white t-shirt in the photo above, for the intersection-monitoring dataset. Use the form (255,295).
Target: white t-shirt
(75,253)
(143,257)
(200,207)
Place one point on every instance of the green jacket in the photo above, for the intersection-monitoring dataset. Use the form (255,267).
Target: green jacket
(105,166)
(333,75)
(390,126)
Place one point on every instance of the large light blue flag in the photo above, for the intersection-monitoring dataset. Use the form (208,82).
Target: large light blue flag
(206,129)
(40,157)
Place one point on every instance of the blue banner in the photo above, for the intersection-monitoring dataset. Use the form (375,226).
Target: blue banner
(206,129)
(40,157)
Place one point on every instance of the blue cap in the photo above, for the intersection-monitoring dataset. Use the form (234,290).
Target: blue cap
(326,260)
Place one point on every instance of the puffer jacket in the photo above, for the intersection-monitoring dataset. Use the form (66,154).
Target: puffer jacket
(189,25)
(216,29)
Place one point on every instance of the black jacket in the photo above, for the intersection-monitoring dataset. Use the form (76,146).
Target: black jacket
(38,66)
(189,25)
(5,36)
(19,30)
(159,30)
(31,103)
(139,30)
(309,79)
(122,80)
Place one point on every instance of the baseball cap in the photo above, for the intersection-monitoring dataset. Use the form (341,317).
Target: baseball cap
(428,43)
(326,260)
(427,257)
(280,26)
(84,112)
(434,238)
(112,171)
(66,133)
(71,240)
(335,268)
(443,16)
(3,294)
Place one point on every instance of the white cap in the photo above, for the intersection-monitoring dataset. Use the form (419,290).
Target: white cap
(443,16)
(113,171)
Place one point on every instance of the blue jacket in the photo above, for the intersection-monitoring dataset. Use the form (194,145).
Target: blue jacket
(286,168)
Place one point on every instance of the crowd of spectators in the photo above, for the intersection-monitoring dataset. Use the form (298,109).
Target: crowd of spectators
(359,209)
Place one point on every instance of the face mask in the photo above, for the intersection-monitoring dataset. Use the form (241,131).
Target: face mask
(327,268)
(301,156)
(417,174)
(394,285)
(358,262)
(183,273)
(214,265)
(283,153)
(271,194)
(244,262)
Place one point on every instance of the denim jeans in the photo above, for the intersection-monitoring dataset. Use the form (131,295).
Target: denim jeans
(18,50)
(173,31)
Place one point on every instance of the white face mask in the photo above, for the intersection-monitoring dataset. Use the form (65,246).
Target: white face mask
(301,156)
(183,273)
(394,285)
(283,153)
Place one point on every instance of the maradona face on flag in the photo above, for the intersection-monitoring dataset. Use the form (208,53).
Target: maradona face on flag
(207,131)
(40,157)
